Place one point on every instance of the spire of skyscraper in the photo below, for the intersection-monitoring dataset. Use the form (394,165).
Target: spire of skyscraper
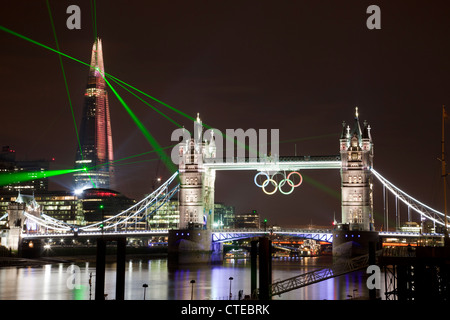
(97,59)
(95,152)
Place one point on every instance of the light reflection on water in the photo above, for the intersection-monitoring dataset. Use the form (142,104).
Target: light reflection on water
(54,282)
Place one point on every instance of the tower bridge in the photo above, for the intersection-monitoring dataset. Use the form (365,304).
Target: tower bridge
(195,180)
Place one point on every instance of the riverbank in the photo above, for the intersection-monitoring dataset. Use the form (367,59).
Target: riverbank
(23,262)
(80,255)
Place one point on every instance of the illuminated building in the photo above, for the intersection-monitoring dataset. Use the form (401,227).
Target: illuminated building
(247,220)
(168,216)
(224,217)
(9,164)
(61,205)
(91,205)
(99,204)
(356,148)
(95,152)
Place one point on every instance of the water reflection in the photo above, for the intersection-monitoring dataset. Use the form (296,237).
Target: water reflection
(59,282)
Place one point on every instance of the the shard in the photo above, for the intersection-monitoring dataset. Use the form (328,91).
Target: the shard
(95,151)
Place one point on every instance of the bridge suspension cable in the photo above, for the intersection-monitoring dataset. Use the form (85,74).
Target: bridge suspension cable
(412,203)
(139,210)
(48,222)
(120,221)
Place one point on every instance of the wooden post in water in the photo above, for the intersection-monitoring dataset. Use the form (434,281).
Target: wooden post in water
(253,265)
(120,269)
(264,270)
(100,270)
(100,267)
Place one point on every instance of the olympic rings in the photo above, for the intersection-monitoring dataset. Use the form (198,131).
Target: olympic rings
(282,183)
(274,183)
(301,179)
(258,175)
(278,185)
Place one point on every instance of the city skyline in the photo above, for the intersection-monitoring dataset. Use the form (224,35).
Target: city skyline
(301,68)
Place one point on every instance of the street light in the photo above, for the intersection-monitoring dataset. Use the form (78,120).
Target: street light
(192,290)
(231,279)
(145,288)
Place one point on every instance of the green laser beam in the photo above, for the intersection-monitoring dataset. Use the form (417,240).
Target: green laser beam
(64,76)
(18,177)
(114,78)
(155,99)
(335,194)
(148,104)
(169,164)
(41,45)
(65,82)
(129,157)
(176,110)
(94,18)
(136,162)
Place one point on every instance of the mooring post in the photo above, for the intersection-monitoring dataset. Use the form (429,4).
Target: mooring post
(253,265)
(264,261)
(100,270)
(120,269)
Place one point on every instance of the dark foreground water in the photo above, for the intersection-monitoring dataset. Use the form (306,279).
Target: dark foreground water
(76,281)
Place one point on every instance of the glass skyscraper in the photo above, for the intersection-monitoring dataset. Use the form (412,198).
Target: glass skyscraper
(95,152)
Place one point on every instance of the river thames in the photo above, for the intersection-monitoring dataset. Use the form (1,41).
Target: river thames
(76,281)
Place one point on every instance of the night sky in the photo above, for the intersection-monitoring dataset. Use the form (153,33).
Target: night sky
(297,66)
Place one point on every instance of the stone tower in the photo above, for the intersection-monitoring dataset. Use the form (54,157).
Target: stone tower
(196,199)
(356,149)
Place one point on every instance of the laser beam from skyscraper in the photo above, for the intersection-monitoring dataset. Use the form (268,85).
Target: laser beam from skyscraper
(65,83)
(148,104)
(94,17)
(88,65)
(335,194)
(110,76)
(130,157)
(167,161)
(64,75)
(105,73)
(18,177)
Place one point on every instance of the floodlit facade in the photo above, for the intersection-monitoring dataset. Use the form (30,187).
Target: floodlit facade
(95,152)
(9,164)
(356,148)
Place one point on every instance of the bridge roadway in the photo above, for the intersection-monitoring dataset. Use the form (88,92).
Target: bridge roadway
(229,234)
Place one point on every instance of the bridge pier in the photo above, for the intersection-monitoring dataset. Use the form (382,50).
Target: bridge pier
(265,268)
(193,247)
(30,249)
(353,243)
